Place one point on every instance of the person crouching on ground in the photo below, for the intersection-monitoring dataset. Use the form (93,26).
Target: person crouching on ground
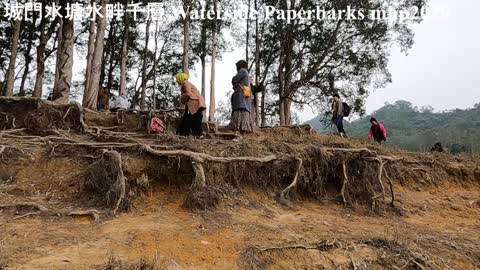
(103,99)
(377,131)
(119,103)
(241,100)
(194,102)
(337,108)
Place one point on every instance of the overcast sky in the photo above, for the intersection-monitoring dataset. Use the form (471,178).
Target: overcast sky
(442,69)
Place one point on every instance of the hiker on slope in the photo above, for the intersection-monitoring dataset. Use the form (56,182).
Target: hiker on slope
(377,131)
(337,109)
(191,123)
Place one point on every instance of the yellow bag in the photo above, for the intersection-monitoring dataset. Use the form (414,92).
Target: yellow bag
(246,90)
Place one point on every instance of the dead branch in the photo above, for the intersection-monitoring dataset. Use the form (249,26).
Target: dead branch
(37,206)
(93,213)
(350,150)
(323,245)
(26,215)
(295,178)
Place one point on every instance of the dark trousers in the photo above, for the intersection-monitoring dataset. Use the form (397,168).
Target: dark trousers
(339,124)
(377,134)
(191,124)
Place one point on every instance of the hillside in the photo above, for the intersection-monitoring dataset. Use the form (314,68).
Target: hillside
(87,190)
(417,129)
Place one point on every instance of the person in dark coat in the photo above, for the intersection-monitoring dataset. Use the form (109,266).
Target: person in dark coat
(241,104)
(437,148)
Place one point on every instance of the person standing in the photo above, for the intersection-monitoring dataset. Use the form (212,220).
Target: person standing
(194,102)
(377,131)
(337,109)
(241,100)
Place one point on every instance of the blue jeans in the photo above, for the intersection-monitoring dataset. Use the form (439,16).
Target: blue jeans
(339,124)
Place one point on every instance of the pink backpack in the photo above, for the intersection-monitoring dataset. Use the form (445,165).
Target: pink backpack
(156,126)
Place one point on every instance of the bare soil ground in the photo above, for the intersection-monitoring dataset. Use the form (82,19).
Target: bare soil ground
(45,182)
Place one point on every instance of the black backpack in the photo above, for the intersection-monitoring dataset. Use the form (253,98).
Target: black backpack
(346,109)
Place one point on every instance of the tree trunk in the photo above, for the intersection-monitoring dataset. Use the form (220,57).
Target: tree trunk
(90,50)
(27,56)
(248,32)
(124,56)
(58,54)
(260,115)
(155,65)
(90,96)
(211,113)
(44,38)
(280,86)
(13,58)
(202,61)
(186,36)
(61,94)
(109,53)
(144,67)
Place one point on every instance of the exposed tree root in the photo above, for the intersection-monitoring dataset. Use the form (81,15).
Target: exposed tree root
(115,160)
(40,209)
(344,183)
(392,194)
(323,245)
(295,179)
(202,157)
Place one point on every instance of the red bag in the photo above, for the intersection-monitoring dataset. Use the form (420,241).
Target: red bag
(156,126)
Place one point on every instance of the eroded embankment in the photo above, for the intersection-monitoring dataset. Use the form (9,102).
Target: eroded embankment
(278,198)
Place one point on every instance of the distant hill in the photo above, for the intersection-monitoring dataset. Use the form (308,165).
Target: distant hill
(415,129)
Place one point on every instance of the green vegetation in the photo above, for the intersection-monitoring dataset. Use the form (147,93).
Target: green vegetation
(417,129)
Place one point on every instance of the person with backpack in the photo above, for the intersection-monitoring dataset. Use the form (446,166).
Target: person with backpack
(241,119)
(191,123)
(339,109)
(377,131)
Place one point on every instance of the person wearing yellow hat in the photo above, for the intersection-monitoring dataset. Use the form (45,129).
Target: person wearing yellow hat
(194,102)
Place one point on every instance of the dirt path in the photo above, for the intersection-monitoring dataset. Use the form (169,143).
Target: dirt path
(444,221)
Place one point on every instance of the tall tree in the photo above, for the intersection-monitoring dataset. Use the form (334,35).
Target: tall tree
(211,113)
(260,117)
(124,56)
(13,58)
(155,66)
(61,92)
(90,52)
(187,6)
(30,28)
(90,95)
(144,66)
(41,48)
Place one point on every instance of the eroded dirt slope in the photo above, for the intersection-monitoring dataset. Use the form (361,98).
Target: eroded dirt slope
(434,223)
